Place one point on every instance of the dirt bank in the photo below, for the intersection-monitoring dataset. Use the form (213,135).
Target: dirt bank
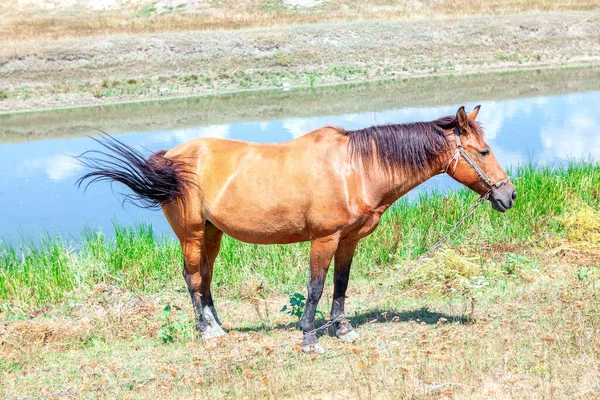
(278,104)
(42,73)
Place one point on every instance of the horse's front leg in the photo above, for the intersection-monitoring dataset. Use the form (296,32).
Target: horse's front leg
(343,260)
(321,253)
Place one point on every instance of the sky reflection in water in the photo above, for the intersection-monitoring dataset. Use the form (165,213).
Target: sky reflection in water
(38,195)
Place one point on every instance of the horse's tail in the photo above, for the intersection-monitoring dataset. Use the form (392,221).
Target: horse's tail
(154,180)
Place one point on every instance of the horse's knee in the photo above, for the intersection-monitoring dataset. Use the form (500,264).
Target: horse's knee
(305,324)
(193,281)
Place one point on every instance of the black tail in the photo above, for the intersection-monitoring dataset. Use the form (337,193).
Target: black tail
(154,180)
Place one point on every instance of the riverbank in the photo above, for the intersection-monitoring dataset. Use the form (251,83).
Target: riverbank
(111,68)
(509,306)
(262,105)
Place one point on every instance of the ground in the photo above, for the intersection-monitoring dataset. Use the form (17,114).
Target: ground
(75,56)
(537,335)
(474,321)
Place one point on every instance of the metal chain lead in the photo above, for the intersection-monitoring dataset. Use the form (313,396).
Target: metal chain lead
(411,267)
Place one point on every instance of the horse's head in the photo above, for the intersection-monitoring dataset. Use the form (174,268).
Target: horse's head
(473,163)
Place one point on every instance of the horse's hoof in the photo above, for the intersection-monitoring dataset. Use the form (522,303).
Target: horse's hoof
(348,336)
(315,348)
(212,332)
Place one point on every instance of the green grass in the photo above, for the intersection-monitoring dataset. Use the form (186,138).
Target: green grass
(146,11)
(136,259)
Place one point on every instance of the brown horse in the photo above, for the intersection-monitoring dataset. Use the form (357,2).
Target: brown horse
(329,187)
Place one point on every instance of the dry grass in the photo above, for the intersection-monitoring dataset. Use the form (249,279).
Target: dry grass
(540,339)
(584,227)
(126,67)
(25,23)
(531,332)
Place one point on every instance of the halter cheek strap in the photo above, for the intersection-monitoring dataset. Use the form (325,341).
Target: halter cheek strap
(461,152)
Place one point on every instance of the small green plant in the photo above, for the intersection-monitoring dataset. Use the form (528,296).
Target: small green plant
(515,261)
(296,306)
(146,11)
(171,327)
(94,340)
(511,57)
(283,59)
(3,95)
(584,272)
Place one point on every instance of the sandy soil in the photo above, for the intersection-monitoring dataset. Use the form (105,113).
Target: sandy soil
(104,69)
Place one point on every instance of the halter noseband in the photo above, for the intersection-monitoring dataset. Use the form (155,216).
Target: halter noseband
(461,152)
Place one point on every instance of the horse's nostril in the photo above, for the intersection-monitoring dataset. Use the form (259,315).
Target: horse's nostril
(514,194)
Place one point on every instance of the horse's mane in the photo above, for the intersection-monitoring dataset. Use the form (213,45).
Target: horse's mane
(411,147)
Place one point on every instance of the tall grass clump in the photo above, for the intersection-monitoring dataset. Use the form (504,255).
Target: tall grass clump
(38,274)
(34,275)
(544,194)
(137,260)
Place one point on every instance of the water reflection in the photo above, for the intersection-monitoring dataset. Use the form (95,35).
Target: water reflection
(57,167)
(37,192)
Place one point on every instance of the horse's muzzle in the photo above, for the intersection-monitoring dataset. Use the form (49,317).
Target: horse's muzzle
(503,198)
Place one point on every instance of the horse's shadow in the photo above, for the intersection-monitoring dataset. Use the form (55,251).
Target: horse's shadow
(377,315)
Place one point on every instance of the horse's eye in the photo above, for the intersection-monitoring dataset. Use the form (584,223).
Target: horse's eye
(485,152)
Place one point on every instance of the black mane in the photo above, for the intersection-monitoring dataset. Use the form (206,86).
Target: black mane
(411,147)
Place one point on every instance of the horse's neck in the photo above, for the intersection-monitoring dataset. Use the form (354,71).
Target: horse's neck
(393,187)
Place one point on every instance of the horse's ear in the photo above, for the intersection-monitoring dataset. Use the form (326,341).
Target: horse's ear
(473,114)
(462,120)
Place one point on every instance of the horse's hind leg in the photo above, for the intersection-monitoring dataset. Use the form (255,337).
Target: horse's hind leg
(212,245)
(200,250)
(342,262)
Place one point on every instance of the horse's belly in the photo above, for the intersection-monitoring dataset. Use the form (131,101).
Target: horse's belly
(260,227)
(267,238)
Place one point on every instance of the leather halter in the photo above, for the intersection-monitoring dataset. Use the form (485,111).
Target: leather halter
(461,152)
